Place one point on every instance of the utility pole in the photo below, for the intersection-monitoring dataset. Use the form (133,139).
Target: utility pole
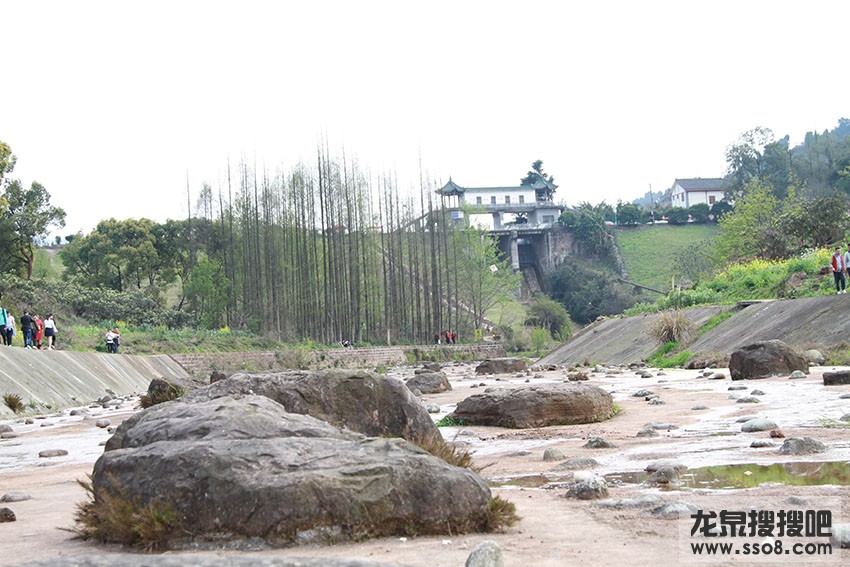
(651,206)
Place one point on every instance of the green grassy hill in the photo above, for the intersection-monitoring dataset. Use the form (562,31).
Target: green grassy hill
(649,251)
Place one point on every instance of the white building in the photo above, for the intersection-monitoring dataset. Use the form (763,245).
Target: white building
(495,207)
(687,192)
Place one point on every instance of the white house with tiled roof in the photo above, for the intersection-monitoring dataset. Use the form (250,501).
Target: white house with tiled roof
(503,204)
(687,192)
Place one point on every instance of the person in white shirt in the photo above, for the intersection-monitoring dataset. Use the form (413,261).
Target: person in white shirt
(49,331)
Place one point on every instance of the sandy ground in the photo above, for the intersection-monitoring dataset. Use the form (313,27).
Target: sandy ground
(554,530)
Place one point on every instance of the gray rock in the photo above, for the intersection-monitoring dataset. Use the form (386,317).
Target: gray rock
(801,446)
(841,535)
(760,444)
(642,393)
(717,376)
(486,554)
(536,406)
(647,431)
(429,383)
(678,466)
(745,418)
(8,435)
(433,408)
(47,453)
(814,357)
(578,463)
(369,403)
(598,443)
(6,428)
(664,476)
(639,502)
(836,378)
(758,424)
(501,366)
(796,375)
(7,515)
(589,489)
(699,407)
(656,402)
(236,465)
(662,426)
(844,396)
(757,393)
(845,417)
(748,400)
(674,509)
(765,358)
(552,454)
(78,411)
(103,423)
(734,387)
(797,501)
(15,497)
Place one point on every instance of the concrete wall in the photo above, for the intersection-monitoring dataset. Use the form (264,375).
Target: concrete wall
(200,366)
(62,379)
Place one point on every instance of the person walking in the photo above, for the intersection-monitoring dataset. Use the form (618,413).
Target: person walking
(39,331)
(838,271)
(10,328)
(26,328)
(49,330)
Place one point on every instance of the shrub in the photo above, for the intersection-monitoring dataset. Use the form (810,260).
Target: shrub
(14,402)
(671,326)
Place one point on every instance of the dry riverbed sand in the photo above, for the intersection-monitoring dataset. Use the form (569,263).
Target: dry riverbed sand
(554,530)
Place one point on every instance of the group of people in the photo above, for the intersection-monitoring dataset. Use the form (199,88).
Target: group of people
(449,336)
(113,340)
(840,264)
(38,334)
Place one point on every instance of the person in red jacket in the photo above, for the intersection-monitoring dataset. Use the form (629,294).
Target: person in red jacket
(838,269)
(39,331)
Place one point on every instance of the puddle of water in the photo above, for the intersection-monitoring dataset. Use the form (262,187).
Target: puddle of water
(523,481)
(752,475)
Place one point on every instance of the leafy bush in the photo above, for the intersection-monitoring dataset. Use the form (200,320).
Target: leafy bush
(589,292)
(550,315)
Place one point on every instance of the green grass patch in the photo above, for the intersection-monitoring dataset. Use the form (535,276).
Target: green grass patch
(668,356)
(649,251)
(449,421)
(715,321)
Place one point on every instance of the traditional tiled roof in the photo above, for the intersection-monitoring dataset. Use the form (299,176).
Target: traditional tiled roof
(700,184)
(452,188)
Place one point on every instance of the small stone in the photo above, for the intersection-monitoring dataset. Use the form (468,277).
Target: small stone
(748,400)
(103,423)
(486,554)
(29,421)
(758,424)
(675,509)
(717,376)
(801,446)
(656,402)
(777,434)
(797,501)
(47,453)
(663,477)
(639,502)
(662,426)
(5,428)
(844,396)
(578,463)
(552,454)
(15,497)
(699,407)
(8,435)
(590,489)
(647,431)
(757,393)
(433,408)
(666,464)
(78,411)
(737,387)
(7,515)
(760,444)
(845,417)
(598,443)
(538,376)
(797,374)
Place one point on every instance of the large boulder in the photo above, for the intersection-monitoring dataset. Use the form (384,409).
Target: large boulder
(836,377)
(501,366)
(765,358)
(429,383)
(238,468)
(536,406)
(369,403)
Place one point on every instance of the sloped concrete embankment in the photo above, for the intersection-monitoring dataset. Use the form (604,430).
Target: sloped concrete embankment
(65,379)
(802,323)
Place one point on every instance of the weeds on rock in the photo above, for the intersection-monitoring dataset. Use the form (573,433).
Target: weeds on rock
(498,514)
(449,453)
(117,518)
(14,402)
(449,421)
(171,393)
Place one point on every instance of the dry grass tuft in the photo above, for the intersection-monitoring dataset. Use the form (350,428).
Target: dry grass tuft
(672,327)
(14,402)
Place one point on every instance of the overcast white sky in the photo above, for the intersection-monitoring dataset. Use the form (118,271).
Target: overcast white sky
(111,104)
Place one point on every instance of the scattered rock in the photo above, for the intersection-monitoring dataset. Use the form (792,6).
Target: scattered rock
(797,501)
(717,376)
(699,407)
(748,400)
(77,411)
(235,466)
(6,428)
(836,378)
(845,417)
(734,387)
(662,426)
(797,374)
(217,376)
(103,423)
(841,535)
(15,497)
(552,454)
(501,366)
(776,434)
(639,502)
(664,476)
(801,446)
(577,376)
(647,431)
(486,554)
(666,464)
(765,358)
(656,402)
(674,509)
(592,488)
(814,357)
(760,444)
(642,393)
(7,515)
(598,443)
(536,406)
(757,393)
(433,408)
(758,424)
(8,435)
(429,383)
(579,463)
(47,453)
(844,396)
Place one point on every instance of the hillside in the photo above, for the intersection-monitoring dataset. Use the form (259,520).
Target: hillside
(649,252)
(814,322)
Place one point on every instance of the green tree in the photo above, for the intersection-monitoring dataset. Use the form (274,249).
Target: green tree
(7,161)
(28,216)
(745,159)
(539,337)
(754,227)
(587,223)
(677,215)
(628,214)
(550,315)
(206,291)
(535,174)
(699,212)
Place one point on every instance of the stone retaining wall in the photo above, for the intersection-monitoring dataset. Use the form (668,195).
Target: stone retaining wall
(201,365)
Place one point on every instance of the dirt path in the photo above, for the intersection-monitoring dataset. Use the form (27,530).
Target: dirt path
(554,531)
